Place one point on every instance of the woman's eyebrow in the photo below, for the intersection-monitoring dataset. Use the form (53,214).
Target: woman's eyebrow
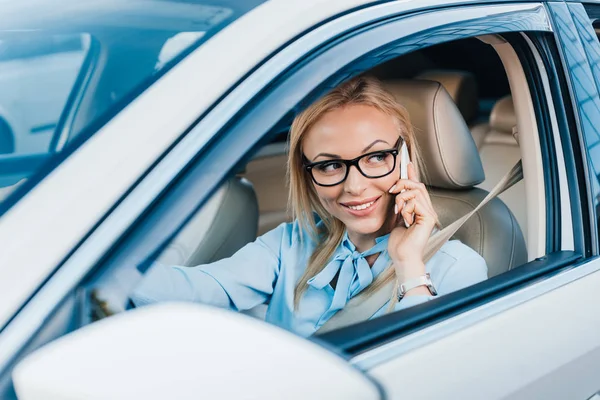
(373,144)
(364,151)
(326,155)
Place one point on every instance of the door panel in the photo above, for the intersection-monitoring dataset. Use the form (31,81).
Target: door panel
(543,348)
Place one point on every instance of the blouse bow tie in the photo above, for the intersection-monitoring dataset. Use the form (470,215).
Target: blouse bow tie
(355,274)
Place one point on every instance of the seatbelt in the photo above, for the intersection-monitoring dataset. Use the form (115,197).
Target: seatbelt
(363,307)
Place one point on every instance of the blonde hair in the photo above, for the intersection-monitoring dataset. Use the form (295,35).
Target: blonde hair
(303,199)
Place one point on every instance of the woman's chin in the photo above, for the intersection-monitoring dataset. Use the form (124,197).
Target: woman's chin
(371,227)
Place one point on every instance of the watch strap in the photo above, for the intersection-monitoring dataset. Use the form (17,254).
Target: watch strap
(423,280)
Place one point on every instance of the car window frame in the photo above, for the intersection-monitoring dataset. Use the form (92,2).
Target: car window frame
(460,301)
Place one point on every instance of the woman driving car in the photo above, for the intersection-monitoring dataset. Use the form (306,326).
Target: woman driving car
(361,217)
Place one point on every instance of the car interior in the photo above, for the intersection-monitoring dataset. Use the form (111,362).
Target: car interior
(485,105)
(470,132)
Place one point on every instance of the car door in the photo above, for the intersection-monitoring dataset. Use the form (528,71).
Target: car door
(501,329)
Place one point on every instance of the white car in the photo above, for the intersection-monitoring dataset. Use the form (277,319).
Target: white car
(184,161)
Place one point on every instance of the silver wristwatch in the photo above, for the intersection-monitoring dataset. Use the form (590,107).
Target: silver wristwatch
(423,280)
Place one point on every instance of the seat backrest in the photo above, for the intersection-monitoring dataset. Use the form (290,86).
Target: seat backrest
(453,169)
(224,224)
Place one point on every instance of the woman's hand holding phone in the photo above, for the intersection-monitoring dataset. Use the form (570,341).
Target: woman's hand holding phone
(413,209)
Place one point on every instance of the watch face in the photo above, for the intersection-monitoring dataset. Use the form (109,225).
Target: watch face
(432,290)
(431,287)
(423,280)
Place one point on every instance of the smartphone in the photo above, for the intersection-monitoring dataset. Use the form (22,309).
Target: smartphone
(404,161)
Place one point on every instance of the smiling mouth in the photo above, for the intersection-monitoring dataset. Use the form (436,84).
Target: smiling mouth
(363,206)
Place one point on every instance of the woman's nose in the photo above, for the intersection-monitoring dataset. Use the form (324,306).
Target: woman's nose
(355,182)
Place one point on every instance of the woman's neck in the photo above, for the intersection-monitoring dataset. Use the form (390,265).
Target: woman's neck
(364,242)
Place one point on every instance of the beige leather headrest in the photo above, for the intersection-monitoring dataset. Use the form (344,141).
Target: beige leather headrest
(503,117)
(449,152)
(461,86)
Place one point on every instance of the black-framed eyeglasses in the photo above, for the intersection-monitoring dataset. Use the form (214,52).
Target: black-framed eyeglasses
(375,164)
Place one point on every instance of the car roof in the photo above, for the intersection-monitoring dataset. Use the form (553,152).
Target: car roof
(197,14)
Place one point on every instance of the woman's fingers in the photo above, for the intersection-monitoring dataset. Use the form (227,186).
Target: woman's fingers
(415,212)
(407,211)
(407,184)
(402,198)
(408,195)
(409,188)
(413,202)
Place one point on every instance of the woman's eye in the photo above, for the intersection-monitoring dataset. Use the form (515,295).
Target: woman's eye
(377,158)
(329,168)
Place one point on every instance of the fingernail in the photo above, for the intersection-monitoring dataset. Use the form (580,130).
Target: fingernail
(392,188)
(395,208)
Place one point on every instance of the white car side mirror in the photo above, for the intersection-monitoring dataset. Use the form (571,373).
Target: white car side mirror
(186,351)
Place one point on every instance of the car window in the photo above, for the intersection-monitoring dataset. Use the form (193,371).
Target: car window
(37,74)
(232,250)
(29,46)
(62,77)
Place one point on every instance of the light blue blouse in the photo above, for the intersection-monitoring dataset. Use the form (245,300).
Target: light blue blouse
(266,271)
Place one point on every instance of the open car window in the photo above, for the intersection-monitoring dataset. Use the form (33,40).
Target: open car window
(250,206)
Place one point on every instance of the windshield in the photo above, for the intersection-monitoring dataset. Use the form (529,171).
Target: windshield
(67,67)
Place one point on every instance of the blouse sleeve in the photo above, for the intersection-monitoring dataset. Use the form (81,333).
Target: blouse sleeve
(460,269)
(239,282)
